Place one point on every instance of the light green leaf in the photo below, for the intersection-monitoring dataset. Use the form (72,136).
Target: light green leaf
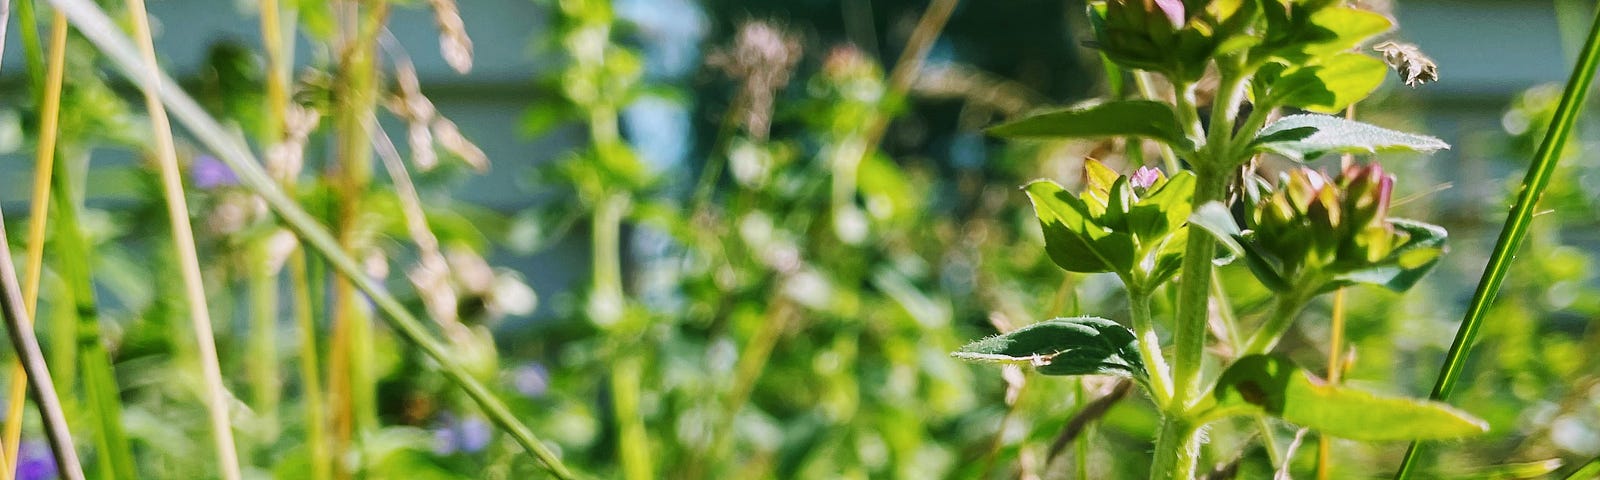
(1218,221)
(1304,137)
(1064,346)
(1276,386)
(1128,118)
(1350,27)
(1071,237)
(1331,85)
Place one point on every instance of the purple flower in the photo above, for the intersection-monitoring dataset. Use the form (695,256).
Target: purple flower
(531,379)
(208,173)
(35,461)
(468,435)
(1145,177)
(1174,11)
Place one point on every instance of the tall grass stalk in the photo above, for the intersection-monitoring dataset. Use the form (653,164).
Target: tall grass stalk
(217,398)
(80,325)
(352,384)
(1516,226)
(44,164)
(28,353)
(99,29)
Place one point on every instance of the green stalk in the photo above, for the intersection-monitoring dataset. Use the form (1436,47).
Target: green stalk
(263,347)
(100,385)
(1177,448)
(1278,322)
(49,82)
(1150,345)
(217,397)
(610,303)
(356,97)
(18,328)
(310,378)
(99,29)
(1516,227)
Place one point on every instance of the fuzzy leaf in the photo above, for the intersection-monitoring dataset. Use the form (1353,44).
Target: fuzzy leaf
(1064,346)
(1129,118)
(1304,137)
(1276,386)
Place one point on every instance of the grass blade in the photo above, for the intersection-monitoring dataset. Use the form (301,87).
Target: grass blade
(217,397)
(99,29)
(27,347)
(44,164)
(1516,227)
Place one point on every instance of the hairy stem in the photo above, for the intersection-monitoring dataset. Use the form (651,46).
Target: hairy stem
(1150,345)
(1177,449)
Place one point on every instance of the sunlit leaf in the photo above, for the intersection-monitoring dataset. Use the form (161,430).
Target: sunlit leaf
(1330,86)
(1276,386)
(1306,136)
(1129,118)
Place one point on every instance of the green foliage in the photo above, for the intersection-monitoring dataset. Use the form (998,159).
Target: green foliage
(1274,385)
(1308,136)
(1137,118)
(1064,346)
(1115,226)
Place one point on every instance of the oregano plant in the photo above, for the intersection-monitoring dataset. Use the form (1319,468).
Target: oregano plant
(1281,70)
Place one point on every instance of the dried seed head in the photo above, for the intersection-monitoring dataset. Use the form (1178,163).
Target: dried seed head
(454,44)
(762,58)
(1407,60)
(285,158)
(449,137)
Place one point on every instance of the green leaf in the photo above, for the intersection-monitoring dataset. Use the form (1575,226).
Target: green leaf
(1064,346)
(1216,220)
(1407,264)
(1330,86)
(1276,386)
(1349,27)
(1304,137)
(1071,237)
(1128,118)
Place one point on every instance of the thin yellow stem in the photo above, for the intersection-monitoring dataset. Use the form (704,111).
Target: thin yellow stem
(44,161)
(183,239)
(1335,374)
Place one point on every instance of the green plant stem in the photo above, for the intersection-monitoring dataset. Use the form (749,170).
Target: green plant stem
(263,347)
(100,386)
(99,29)
(353,381)
(217,397)
(1177,449)
(48,80)
(1284,310)
(310,378)
(1516,227)
(1146,84)
(609,306)
(18,328)
(1150,345)
(1193,291)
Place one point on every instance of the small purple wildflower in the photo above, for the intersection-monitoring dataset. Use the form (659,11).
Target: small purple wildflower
(1174,11)
(467,435)
(1145,177)
(531,379)
(35,461)
(474,434)
(208,173)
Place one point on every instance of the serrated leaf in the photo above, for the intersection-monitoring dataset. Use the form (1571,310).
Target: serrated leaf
(1074,241)
(1128,118)
(1331,85)
(1304,137)
(1274,385)
(1064,346)
(1407,264)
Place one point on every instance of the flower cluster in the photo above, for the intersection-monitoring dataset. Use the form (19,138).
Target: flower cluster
(1316,232)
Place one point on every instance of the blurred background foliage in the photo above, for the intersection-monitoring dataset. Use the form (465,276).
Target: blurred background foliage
(739,238)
